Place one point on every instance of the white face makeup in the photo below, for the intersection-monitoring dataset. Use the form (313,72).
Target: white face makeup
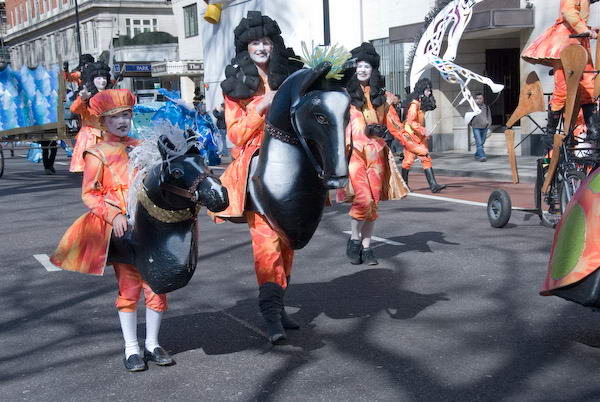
(119,124)
(100,83)
(363,71)
(260,50)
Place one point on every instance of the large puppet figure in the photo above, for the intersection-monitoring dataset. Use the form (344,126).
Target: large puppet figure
(85,247)
(75,75)
(414,136)
(546,50)
(259,67)
(373,172)
(95,78)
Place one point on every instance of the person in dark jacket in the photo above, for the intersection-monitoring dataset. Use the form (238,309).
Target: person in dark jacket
(219,114)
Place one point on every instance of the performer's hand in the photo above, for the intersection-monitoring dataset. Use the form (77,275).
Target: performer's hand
(265,104)
(593,34)
(119,225)
(84,93)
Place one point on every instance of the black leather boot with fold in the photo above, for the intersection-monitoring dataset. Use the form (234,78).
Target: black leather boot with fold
(433,185)
(270,301)
(286,321)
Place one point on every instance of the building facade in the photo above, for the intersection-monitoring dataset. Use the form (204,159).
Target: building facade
(43,32)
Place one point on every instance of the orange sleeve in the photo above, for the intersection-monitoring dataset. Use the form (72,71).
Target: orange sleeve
(79,106)
(412,119)
(243,123)
(91,190)
(572,17)
(393,123)
(74,76)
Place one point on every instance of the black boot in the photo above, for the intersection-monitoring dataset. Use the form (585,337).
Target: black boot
(286,321)
(433,185)
(270,301)
(591,121)
(353,249)
(553,120)
(368,256)
(405,176)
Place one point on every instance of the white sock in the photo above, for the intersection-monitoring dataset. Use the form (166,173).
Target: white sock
(129,328)
(153,319)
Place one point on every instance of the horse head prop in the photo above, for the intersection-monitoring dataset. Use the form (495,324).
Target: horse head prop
(303,154)
(162,243)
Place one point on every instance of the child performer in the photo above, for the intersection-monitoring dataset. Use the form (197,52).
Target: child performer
(85,247)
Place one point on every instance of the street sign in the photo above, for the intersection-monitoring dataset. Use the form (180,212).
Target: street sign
(138,68)
(195,66)
(159,68)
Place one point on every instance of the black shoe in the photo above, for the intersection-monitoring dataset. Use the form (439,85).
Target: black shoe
(353,249)
(368,256)
(158,356)
(135,363)
(270,301)
(433,185)
(482,159)
(48,172)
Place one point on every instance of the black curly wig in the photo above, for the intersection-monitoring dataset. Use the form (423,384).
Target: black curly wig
(366,52)
(241,76)
(93,70)
(427,102)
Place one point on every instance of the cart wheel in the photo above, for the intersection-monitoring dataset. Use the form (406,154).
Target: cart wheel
(547,205)
(1,161)
(569,186)
(499,208)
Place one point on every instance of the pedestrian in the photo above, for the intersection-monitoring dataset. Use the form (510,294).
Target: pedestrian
(219,114)
(85,247)
(373,171)
(480,125)
(415,136)
(96,78)
(261,64)
(48,156)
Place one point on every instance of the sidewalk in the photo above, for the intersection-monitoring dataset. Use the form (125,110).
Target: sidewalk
(496,167)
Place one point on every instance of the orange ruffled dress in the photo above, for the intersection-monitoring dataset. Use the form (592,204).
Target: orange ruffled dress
(373,172)
(88,135)
(414,139)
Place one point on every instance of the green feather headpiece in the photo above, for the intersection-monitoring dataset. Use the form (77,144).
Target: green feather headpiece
(336,55)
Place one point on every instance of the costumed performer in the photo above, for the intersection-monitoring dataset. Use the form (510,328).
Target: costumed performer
(96,78)
(373,172)
(415,135)
(546,49)
(259,67)
(75,75)
(85,247)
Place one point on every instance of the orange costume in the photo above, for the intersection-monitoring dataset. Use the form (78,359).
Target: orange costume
(546,50)
(245,127)
(85,245)
(414,138)
(73,76)
(88,135)
(372,169)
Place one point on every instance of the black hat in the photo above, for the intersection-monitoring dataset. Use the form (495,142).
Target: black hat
(93,70)
(366,52)
(253,27)
(241,76)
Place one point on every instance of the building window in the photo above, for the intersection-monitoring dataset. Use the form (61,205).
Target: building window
(190,20)
(137,26)
(84,35)
(94,35)
(392,64)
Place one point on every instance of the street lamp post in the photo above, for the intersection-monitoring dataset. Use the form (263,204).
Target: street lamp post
(326,24)
(77,25)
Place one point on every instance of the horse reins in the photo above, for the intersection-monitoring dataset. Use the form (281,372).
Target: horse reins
(295,139)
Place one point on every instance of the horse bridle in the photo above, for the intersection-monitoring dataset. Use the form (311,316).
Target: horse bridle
(294,139)
(190,193)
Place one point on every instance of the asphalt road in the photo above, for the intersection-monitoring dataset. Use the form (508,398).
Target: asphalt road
(450,314)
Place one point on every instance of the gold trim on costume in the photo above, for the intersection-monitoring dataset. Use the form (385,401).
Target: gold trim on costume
(164,215)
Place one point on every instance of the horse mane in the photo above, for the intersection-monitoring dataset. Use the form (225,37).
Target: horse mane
(428,20)
(146,155)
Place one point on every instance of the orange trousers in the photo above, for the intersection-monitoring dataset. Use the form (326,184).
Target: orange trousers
(273,258)
(585,90)
(131,285)
(415,147)
(366,177)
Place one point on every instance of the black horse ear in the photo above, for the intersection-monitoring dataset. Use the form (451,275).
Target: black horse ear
(316,73)
(165,146)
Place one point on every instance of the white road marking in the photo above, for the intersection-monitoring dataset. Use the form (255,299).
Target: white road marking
(61,163)
(465,202)
(380,240)
(45,261)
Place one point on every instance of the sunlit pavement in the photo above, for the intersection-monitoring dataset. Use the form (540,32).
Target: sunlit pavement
(451,313)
